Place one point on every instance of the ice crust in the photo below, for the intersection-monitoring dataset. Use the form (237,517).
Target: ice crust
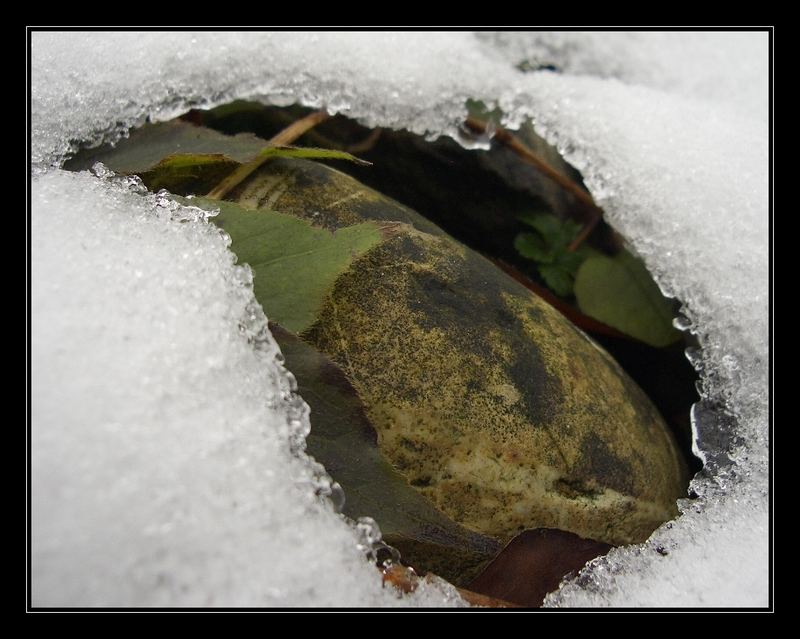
(161,430)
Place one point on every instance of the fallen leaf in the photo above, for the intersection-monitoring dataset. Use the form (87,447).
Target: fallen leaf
(152,143)
(534,563)
(295,264)
(620,292)
(188,173)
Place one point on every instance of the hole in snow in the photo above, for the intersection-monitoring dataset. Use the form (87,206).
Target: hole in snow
(513,199)
(477,196)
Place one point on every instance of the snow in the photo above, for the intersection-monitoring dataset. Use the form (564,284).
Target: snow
(720,66)
(161,433)
(162,421)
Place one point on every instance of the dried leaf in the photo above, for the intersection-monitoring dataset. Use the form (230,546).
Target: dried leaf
(534,563)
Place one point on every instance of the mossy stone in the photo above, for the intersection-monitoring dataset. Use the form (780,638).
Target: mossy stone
(485,398)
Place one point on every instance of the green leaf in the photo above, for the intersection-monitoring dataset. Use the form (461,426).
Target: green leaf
(345,442)
(549,249)
(187,173)
(569,231)
(223,189)
(310,153)
(533,247)
(294,263)
(557,233)
(557,278)
(185,159)
(192,173)
(148,146)
(570,261)
(548,225)
(620,292)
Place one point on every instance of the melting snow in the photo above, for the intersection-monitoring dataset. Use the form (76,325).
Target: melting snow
(162,419)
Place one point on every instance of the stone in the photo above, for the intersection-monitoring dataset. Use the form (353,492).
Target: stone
(490,403)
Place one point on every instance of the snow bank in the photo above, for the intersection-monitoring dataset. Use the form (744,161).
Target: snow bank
(162,420)
(160,431)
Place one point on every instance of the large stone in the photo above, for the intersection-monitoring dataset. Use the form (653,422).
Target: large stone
(487,400)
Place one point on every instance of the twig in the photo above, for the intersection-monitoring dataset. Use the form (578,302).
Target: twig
(366,144)
(588,324)
(534,159)
(587,229)
(286,136)
(298,128)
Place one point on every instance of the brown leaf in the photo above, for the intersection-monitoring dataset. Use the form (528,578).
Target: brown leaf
(533,564)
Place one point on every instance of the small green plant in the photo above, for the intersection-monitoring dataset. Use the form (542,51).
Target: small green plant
(616,290)
(548,246)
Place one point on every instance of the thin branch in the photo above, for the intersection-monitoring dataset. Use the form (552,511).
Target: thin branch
(588,324)
(298,128)
(587,229)
(286,136)
(366,144)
